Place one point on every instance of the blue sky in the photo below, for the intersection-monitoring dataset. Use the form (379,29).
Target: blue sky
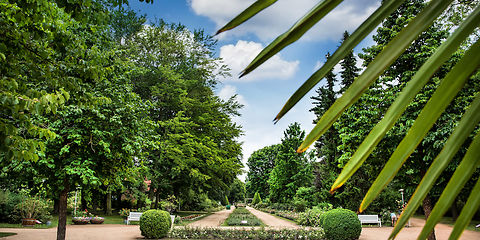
(264,91)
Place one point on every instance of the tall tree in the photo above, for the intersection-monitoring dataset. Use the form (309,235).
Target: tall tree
(197,148)
(291,170)
(260,164)
(349,70)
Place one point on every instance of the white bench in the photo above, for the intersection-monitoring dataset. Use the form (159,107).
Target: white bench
(370,219)
(134,216)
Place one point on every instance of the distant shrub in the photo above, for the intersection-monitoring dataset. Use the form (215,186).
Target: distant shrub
(256,199)
(155,223)
(8,201)
(325,206)
(341,224)
(311,217)
(261,205)
(300,205)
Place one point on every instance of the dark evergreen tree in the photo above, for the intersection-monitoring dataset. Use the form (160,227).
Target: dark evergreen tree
(349,68)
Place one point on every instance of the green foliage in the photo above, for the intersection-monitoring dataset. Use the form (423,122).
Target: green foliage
(259,234)
(240,214)
(256,199)
(33,207)
(155,224)
(341,224)
(291,170)
(311,217)
(237,191)
(193,147)
(260,164)
(8,202)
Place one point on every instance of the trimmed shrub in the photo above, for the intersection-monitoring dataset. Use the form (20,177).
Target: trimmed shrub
(256,199)
(341,224)
(155,224)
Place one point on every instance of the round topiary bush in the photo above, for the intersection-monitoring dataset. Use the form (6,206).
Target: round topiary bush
(341,224)
(155,223)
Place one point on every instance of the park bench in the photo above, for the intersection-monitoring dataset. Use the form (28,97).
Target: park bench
(134,216)
(370,219)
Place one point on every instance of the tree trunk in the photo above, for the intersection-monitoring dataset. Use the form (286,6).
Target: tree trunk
(427,209)
(156,200)
(62,212)
(151,195)
(108,204)
(83,200)
(454,211)
(56,205)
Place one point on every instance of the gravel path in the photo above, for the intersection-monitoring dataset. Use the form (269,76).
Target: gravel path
(214,220)
(272,221)
(78,232)
(131,232)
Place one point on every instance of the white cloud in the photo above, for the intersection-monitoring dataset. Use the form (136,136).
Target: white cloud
(238,56)
(228,91)
(282,15)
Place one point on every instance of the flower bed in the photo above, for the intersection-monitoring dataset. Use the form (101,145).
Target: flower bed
(260,234)
(192,217)
(242,217)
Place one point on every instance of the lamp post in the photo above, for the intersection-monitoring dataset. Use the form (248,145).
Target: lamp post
(75,209)
(401,192)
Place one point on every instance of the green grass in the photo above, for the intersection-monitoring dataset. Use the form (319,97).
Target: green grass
(4,234)
(113,219)
(242,214)
(451,222)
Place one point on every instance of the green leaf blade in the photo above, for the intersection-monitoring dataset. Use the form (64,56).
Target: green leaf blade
(360,33)
(248,13)
(462,174)
(445,93)
(388,55)
(461,132)
(470,208)
(406,96)
(293,34)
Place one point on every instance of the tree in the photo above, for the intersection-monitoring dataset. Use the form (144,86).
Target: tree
(196,150)
(444,94)
(291,170)
(237,191)
(349,71)
(260,164)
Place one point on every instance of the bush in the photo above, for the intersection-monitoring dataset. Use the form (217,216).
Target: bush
(8,201)
(300,205)
(33,207)
(341,224)
(311,217)
(155,223)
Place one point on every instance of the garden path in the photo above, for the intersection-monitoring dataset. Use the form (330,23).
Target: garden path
(131,232)
(272,221)
(214,220)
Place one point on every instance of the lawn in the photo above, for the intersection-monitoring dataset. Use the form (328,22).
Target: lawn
(3,234)
(113,219)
